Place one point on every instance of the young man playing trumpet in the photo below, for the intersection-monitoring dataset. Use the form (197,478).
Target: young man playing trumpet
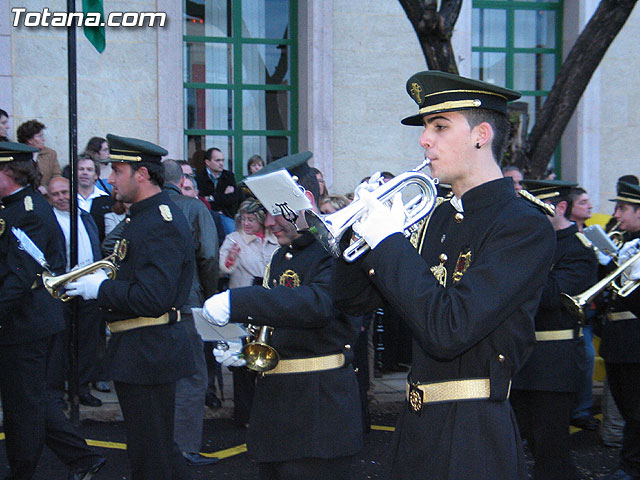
(620,346)
(468,293)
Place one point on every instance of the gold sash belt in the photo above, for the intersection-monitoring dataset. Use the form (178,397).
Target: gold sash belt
(451,391)
(130,324)
(549,335)
(617,316)
(312,364)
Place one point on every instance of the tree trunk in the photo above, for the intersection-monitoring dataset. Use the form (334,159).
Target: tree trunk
(434,30)
(572,80)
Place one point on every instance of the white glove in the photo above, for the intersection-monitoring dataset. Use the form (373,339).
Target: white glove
(229,354)
(628,250)
(217,309)
(370,185)
(379,221)
(87,286)
(603,258)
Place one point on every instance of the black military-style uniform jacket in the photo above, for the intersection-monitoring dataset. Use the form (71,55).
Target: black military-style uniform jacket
(302,415)
(469,298)
(155,266)
(557,365)
(27,311)
(621,338)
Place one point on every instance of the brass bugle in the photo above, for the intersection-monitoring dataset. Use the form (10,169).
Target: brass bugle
(576,304)
(616,236)
(259,355)
(55,284)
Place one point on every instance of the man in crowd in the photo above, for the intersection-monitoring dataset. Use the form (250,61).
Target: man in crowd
(516,174)
(30,318)
(485,242)
(89,319)
(149,348)
(190,391)
(543,391)
(32,134)
(91,198)
(305,420)
(620,346)
(218,187)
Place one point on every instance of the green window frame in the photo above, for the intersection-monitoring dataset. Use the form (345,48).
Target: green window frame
(539,78)
(238,90)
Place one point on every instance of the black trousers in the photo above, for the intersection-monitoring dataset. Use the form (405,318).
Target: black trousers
(307,469)
(543,419)
(148,412)
(624,382)
(244,387)
(33,415)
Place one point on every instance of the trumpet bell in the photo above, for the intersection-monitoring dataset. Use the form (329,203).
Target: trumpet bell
(260,357)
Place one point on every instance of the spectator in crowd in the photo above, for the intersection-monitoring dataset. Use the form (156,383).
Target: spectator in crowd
(189,186)
(323,186)
(119,211)
(91,198)
(218,187)
(89,320)
(186,167)
(32,133)
(98,149)
(333,203)
(190,391)
(580,207)
(4,126)
(244,255)
(254,164)
(516,174)
(579,211)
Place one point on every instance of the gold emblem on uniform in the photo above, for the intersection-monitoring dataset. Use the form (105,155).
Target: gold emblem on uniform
(28,204)
(440,271)
(289,279)
(464,260)
(165,211)
(415,91)
(415,399)
(2,225)
(121,249)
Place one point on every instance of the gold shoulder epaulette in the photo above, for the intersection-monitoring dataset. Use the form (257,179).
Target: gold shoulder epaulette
(545,207)
(584,240)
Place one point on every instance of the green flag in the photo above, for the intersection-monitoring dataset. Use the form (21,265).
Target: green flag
(94,26)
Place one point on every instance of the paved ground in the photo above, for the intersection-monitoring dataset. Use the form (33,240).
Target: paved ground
(101,426)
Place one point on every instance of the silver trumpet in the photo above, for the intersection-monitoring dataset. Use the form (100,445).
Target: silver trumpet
(329,229)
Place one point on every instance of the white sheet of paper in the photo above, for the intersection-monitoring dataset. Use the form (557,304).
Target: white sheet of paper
(278,188)
(212,333)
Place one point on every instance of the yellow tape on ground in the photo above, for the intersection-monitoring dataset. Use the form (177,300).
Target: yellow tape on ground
(100,443)
(229,452)
(383,428)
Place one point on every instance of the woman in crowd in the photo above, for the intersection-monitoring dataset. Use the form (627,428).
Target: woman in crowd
(254,164)
(244,255)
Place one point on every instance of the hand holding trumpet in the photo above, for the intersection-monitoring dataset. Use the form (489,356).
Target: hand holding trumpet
(379,221)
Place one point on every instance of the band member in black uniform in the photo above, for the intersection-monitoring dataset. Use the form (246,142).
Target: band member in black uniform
(305,421)
(29,319)
(620,346)
(543,391)
(468,293)
(149,348)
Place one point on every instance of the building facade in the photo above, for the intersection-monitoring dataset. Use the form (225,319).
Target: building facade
(272,77)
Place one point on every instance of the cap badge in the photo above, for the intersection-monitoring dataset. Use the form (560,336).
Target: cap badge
(416,90)
(289,279)
(2,225)
(165,211)
(28,204)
